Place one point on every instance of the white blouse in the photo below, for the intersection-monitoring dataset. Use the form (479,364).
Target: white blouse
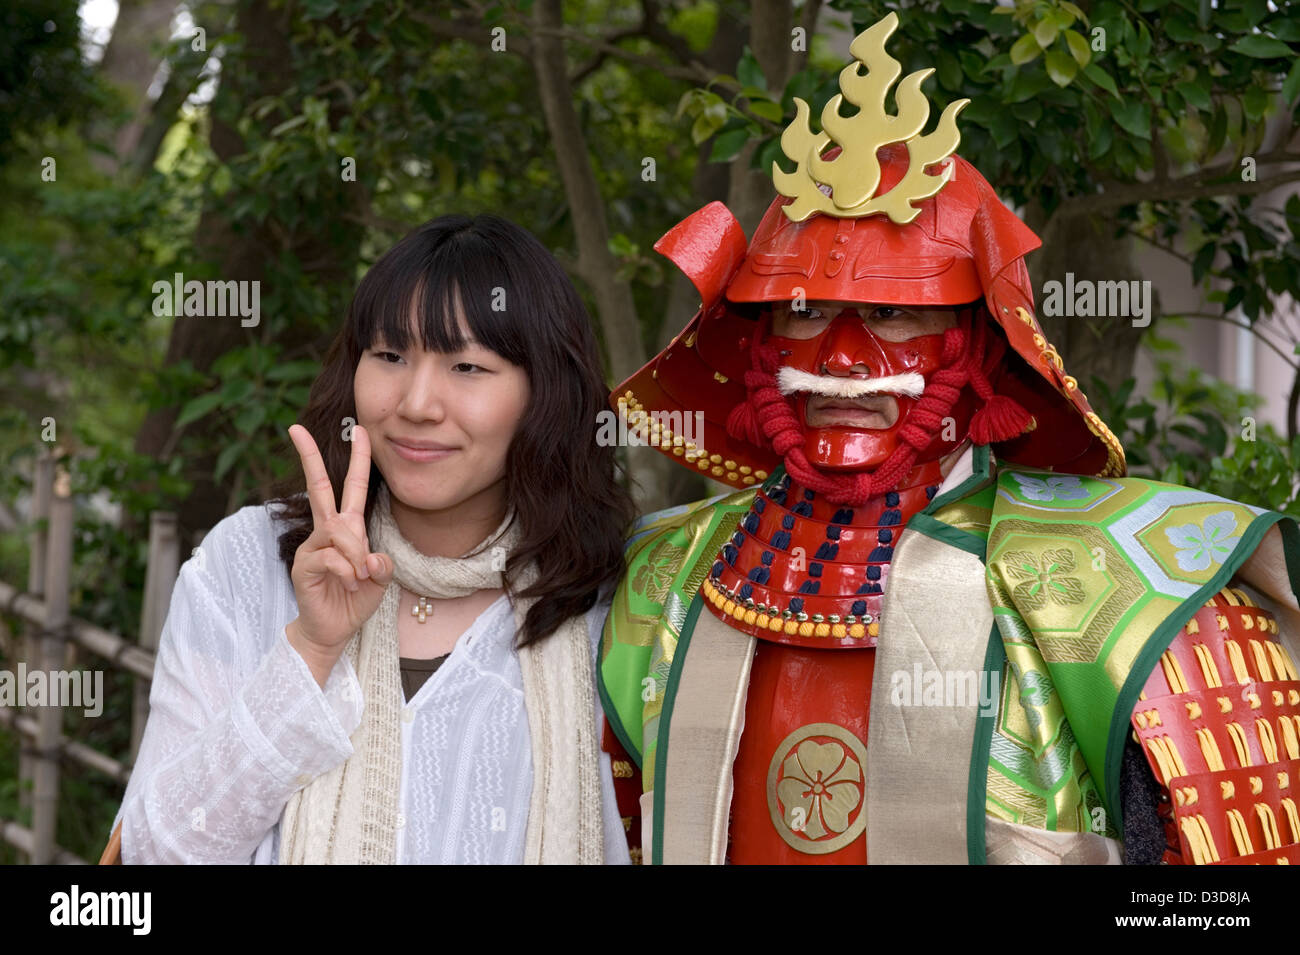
(237,724)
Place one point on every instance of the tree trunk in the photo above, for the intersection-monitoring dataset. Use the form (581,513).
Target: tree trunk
(770,23)
(130,62)
(243,251)
(596,265)
(1085,245)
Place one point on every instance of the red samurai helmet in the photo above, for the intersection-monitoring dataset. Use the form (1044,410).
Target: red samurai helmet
(861,225)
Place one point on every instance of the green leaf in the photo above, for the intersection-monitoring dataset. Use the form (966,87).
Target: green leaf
(198,407)
(1028,84)
(1255,102)
(250,419)
(1204,258)
(1291,86)
(293,370)
(1060,67)
(236,390)
(687,102)
(1133,117)
(1046,31)
(766,154)
(1070,8)
(1218,131)
(706,124)
(1025,49)
(1293,213)
(749,72)
(1030,112)
(1180,30)
(1209,42)
(726,146)
(1079,48)
(1197,93)
(766,109)
(227,458)
(949,69)
(1003,128)
(1142,47)
(1101,78)
(1284,29)
(1261,47)
(289,124)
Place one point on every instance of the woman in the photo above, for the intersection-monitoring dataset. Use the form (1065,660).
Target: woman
(397,666)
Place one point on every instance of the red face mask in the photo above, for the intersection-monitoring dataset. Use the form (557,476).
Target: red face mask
(849,434)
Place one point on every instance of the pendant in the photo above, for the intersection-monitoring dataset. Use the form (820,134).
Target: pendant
(422,609)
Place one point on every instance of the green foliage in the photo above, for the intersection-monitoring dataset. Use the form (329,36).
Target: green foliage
(42,76)
(1202,433)
(1066,98)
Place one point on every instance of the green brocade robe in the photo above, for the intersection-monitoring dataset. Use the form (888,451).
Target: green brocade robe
(1052,596)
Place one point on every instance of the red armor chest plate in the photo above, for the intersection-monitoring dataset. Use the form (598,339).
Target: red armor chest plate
(800,772)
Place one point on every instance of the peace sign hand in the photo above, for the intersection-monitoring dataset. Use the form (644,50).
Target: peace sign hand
(338,582)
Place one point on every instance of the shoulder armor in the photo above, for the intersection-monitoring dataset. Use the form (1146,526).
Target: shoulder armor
(1219,721)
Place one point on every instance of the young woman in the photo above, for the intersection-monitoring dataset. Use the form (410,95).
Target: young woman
(397,665)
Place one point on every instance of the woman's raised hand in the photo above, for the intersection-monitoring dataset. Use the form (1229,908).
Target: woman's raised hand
(337,580)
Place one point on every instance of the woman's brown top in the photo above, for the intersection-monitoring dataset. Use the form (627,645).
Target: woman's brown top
(416,672)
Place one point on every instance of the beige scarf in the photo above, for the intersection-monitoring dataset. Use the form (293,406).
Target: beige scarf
(349,814)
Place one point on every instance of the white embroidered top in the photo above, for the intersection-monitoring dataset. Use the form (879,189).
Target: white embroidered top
(237,724)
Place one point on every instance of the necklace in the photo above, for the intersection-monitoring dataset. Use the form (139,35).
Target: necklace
(422,608)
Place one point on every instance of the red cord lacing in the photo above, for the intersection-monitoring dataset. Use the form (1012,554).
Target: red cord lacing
(1000,419)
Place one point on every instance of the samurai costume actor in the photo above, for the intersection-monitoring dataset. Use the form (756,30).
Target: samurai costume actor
(967,637)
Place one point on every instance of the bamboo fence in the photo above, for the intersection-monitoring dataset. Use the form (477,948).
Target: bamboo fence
(52,638)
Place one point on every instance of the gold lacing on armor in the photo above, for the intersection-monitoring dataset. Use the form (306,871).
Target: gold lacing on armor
(1209,669)
(1292,818)
(1173,672)
(1290,741)
(1237,660)
(1281,660)
(1165,752)
(1240,834)
(1238,737)
(1268,822)
(1267,742)
(1261,660)
(1197,831)
(661,436)
(777,623)
(1210,749)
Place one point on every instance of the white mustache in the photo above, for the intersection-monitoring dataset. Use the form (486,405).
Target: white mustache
(791,380)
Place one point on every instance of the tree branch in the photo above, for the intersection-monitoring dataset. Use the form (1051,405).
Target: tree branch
(1192,186)
(690,70)
(471,32)
(1220,317)
(811,11)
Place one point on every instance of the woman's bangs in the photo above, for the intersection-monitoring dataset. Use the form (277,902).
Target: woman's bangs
(468,270)
(395,291)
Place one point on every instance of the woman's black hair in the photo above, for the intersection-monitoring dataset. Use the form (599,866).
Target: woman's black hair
(571,510)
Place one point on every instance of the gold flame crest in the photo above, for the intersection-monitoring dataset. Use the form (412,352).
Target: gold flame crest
(854,174)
